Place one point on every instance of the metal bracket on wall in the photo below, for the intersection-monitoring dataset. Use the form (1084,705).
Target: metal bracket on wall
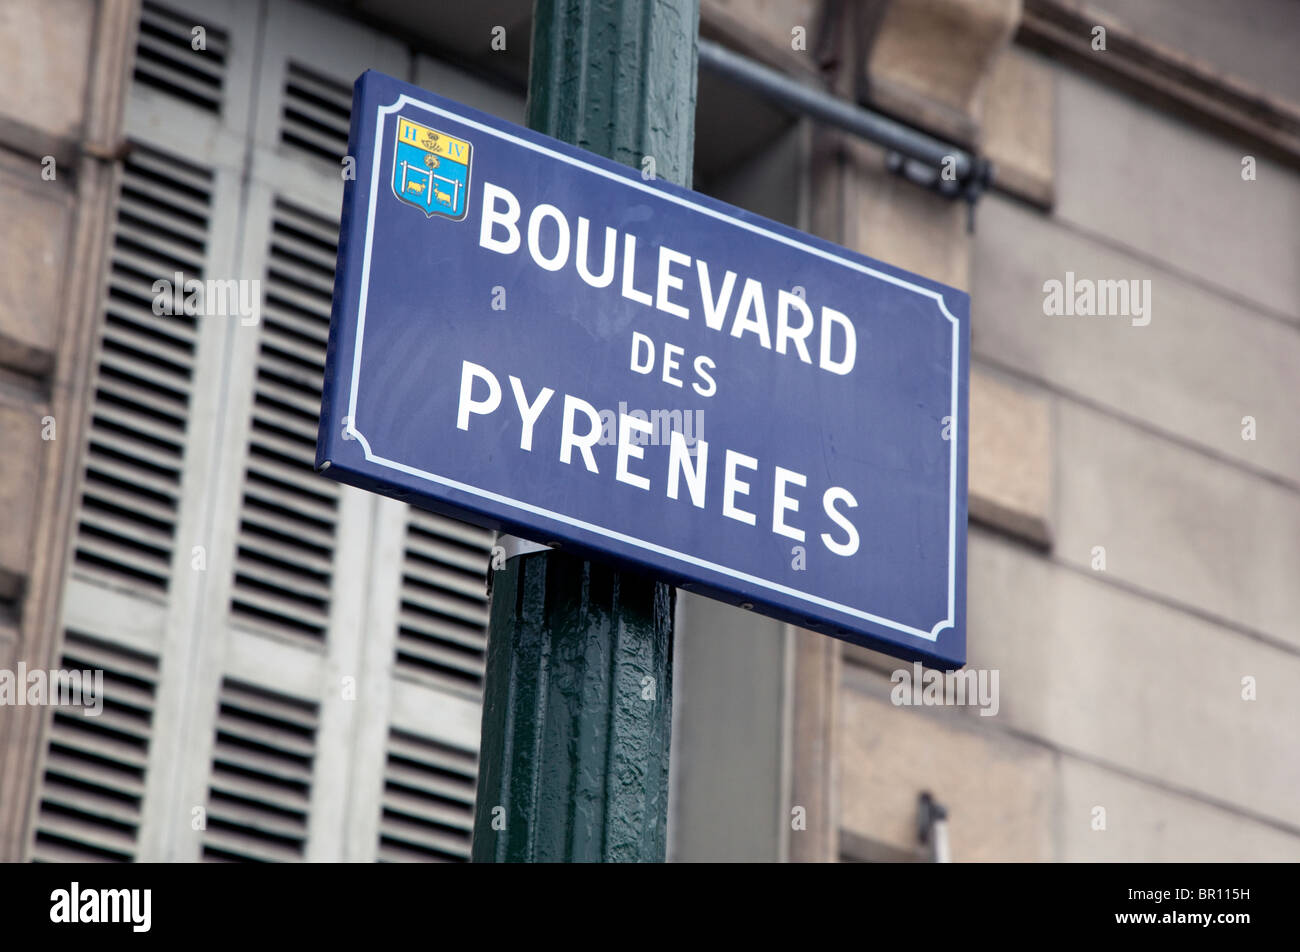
(932,828)
(949,170)
(938,180)
(505,548)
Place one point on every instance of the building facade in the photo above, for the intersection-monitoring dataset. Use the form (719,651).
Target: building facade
(293,669)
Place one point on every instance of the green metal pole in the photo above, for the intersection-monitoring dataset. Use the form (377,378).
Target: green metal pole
(577,705)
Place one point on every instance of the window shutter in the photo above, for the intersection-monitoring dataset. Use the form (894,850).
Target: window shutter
(203,433)
(261,776)
(95,771)
(442,623)
(140,410)
(428,800)
(133,592)
(165,60)
(94,778)
(316,113)
(293,571)
(288,514)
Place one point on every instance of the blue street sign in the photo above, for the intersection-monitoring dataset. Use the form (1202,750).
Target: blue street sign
(533,338)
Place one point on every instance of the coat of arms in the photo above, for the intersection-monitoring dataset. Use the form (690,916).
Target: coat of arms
(431,170)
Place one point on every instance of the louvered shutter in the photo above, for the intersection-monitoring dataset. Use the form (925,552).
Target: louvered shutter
(141,405)
(315,113)
(428,803)
(94,777)
(262,758)
(288,579)
(323,666)
(164,60)
(442,622)
(393,573)
(136,564)
(288,515)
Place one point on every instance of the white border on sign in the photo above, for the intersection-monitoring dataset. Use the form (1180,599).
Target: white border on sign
(931,635)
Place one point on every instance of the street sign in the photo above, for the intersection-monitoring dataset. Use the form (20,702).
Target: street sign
(536,339)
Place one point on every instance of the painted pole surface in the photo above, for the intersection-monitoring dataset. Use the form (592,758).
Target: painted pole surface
(577,705)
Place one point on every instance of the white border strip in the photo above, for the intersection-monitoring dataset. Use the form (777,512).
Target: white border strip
(931,635)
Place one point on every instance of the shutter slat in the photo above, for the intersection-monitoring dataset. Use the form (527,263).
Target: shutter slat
(286,504)
(88,832)
(137,399)
(303,111)
(139,207)
(414,834)
(444,551)
(165,201)
(138,532)
(448,579)
(60,764)
(51,851)
(292,364)
(436,656)
(259,820)
(170,51)
(157,74)
(101,809)
(122,666)
(300,556)
(300,479)
(266,784)
(124,725)
(438,603)
(248,597)
(290,269)
(273,418)
(300,715)
(107,466)
(123,559)
(420,808)
(319,86)
(426,523)
(325,145)
(130,444)
(153,335)
(170,378)
(397,852)
(159,263)
(272,522)
(108,746)
(289,242)
(308,407)
(433,754)
(248,847)
(287,320)
(163,165)
(460,789)
(289,582)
